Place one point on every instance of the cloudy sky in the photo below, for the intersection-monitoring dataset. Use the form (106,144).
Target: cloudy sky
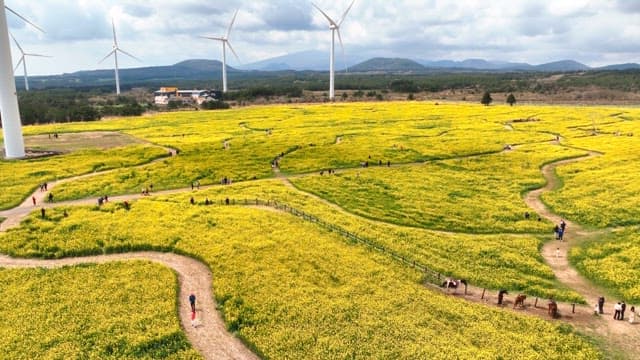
(163,32)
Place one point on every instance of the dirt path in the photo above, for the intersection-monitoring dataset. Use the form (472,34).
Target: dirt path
(211,338)
(619,334)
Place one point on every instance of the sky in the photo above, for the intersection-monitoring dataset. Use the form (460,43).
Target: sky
(163,32)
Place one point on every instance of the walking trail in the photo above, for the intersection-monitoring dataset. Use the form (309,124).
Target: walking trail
(618,334)
(214,342)
(211,337)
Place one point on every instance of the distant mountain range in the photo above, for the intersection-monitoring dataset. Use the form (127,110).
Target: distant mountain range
(319,61)
(207,72)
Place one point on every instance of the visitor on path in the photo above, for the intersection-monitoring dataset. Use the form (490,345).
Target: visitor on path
(192,301)
(560,234)
(557,253)
(563,225)
(623,307)
(596,309)
(632,316)
(42,211)
(601,305)
(33,198)
(50,197)
(617,308)
(501,296)
(556,231)
(106,198)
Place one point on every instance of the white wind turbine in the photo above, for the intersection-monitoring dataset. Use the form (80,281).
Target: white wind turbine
(225,42)
(23,61)
(335,28)
(114,52)
(10,113)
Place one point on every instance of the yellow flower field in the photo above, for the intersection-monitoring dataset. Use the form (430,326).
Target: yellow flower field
(112,311)
(293,290)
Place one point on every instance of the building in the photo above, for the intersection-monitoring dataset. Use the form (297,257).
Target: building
(166,94)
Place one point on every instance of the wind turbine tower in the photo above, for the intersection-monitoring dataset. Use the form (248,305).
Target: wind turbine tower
(11,125)
(23,61)
(335,28)
(225,42)
(114,52)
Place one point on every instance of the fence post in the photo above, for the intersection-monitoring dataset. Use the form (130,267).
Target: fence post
(573,308)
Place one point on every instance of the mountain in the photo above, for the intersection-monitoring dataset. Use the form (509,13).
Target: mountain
(619,67)
(388,65)
(561,66)
(475,64)
(312,60)
(185,71)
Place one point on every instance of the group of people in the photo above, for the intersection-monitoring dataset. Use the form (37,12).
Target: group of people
(43,187)
(102,200)
(619,310)
(559,230)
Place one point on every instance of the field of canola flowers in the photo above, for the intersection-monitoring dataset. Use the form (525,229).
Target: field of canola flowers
(446,140)
(298,291)
(111,311)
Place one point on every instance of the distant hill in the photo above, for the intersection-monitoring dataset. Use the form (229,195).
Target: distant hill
(388,65)
(207,73)
(562,66)
(189,70)
(620,67)
(312,60)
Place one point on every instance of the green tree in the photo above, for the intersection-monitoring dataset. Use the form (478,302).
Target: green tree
(511,99)
(486,99)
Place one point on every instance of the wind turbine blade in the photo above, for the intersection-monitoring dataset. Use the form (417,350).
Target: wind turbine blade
(325,15)
(18,45)
(231,25)
(18,64)
(346,12)
(233,51)
(106,57)
(115,39)
(38,55)
(126,53)
(212,38)
(24,19)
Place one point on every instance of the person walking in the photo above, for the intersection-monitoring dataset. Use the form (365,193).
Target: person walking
(557,253)
(33,198)
(601,304)
(50,197)
(556,231)
(623,307)
(632,316)
(43,212)
(192,301)
(616,311)
(563,225)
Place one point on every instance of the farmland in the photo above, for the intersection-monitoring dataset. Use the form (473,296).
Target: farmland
(440,185)
(93,311)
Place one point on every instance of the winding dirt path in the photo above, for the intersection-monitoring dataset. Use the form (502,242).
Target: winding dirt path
(211,337)
(619,334)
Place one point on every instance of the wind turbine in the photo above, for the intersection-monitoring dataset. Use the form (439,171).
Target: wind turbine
(23,61)
(225,42)
(335,28)
(10,113)
(114,52)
